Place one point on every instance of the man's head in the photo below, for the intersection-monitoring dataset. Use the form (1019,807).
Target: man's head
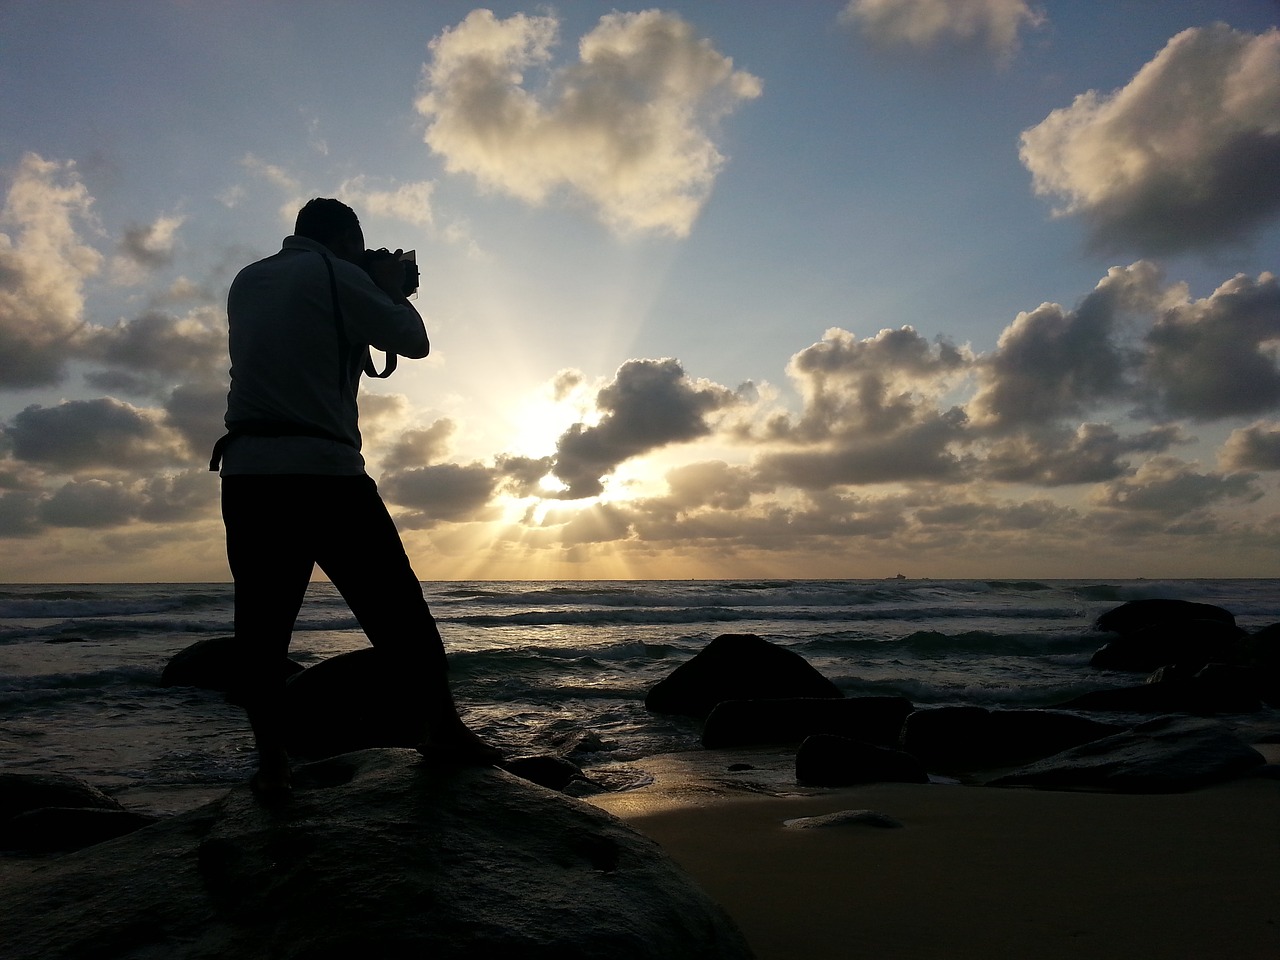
(334,224)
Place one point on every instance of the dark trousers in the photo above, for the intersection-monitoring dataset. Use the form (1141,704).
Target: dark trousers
(278,529)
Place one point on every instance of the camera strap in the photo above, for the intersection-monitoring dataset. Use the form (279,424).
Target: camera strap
(344,345)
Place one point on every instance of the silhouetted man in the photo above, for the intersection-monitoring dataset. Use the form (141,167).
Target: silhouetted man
(294,488)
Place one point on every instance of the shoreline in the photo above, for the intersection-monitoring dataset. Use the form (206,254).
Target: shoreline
(977,871)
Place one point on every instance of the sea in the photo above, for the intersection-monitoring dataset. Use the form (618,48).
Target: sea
(541,667)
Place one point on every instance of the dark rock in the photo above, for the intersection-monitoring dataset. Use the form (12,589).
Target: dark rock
(1129,618)
(1190,644)
(1262,651)
(830,761)
(969,738)
(377,855)
(1214,688)
(60,829)
(1164,755)
(739,723)
(20,792)
(736,666)
(211,665)
(350,702)
(554,773)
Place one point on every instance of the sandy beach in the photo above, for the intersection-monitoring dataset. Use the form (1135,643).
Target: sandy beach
(981,871)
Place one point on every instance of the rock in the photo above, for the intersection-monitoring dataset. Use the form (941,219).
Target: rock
(554,773)
(1190,644)
(736,666)
(60,829)
(969,738)
(830,761)
(377,855)
(1214,688)
(1262,651)
(739,723)
(20,792)
(843,818)
(210,665)
(1129,618)
(1164,755)
(349,702)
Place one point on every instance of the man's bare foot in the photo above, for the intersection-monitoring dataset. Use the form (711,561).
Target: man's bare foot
(271,783)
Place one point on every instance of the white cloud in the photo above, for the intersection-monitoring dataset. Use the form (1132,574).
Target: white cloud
(628,127)
(145,247)
(410,202)
(1183,157)
(927,24)
(1255,447)
(43,267)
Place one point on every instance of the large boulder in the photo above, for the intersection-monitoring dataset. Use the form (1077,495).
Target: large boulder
(348,702)
(1155,632)
(974,738)
(1129,618)
(211,664)
(52,812)
(1214,688)
(1164,755)
(740,723)
(829,761)
(377,855)
(736,666)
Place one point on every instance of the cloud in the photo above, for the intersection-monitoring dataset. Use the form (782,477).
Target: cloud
(90,503)
(1172,488)
(1182,158)
(196,411)
(416,448)
(160,344)
(79,434)
(1052,363)
(1092,453)
(43,266)
(628,128)
(930,24)
(410,202)
(648,405)
(146,247)
(444,491)
(1255,447)
(1219,356)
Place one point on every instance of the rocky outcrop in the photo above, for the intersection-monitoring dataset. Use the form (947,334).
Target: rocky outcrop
(50,812)
(210,664)
(1164,755)
(1156,632)
(740,723)
(829,761)
(736,666)
(973,738)
(1214,688)
(377,855)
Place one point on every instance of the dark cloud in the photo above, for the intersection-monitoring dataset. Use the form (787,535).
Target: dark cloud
(197,412)
(445,491)
(1171,488)
(159,344)
(150,245)
(92,433)
(20,514)
(1255,447)
(417,448)
(1216,357)
(522,476)
(90,503)
(1093,453)
(649,404)
(1182,158)
(1053,363)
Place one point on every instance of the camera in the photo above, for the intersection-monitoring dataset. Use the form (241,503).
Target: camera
(408,263)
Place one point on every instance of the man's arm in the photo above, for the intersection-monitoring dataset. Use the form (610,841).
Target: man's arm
(377,313)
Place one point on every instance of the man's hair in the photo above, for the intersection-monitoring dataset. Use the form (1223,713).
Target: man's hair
(324,220)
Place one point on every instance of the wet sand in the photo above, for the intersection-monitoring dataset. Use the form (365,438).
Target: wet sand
(981,871)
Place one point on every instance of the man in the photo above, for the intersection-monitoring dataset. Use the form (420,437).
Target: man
(294,488)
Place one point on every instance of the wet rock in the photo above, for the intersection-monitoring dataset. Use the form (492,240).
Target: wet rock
(554,773)
(376,855)
(1129,618)
(62,829)
(1165,755)
(844,818)
(969,738)
(20,792)
(736,666)
(211,665)
(1190,644)
(1214,688)
(738,723)
(829,761)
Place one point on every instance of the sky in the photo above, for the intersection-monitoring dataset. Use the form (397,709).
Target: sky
(940,288)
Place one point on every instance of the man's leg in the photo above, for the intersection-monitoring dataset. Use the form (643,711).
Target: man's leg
(268,551)
(363,556)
